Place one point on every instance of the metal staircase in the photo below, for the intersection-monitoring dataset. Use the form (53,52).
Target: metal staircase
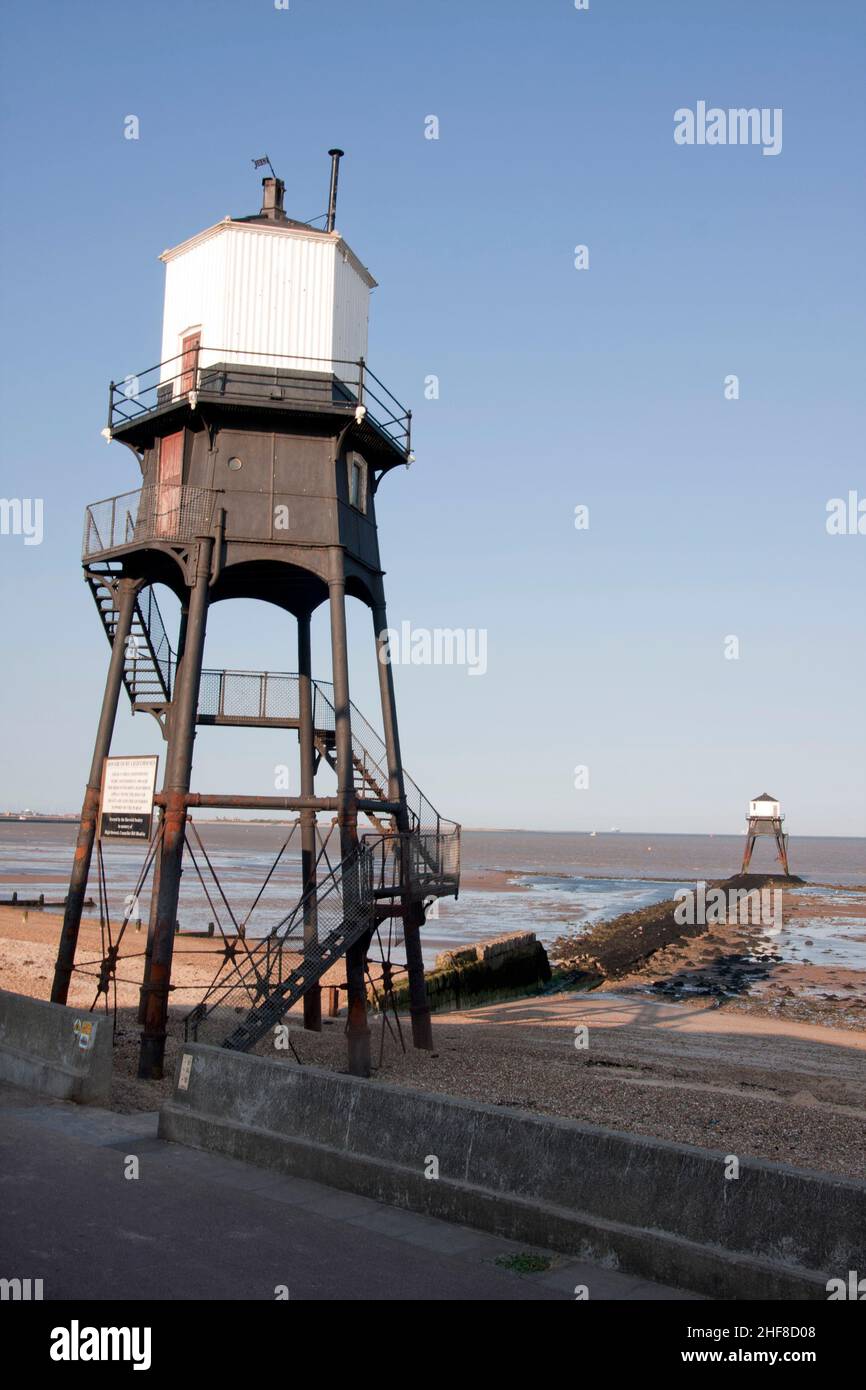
(148,671)
(279,969)
(276,971)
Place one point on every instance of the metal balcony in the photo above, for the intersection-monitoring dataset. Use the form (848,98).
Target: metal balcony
(303,385)
(174,513)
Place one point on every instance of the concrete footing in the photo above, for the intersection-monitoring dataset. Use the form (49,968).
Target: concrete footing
(53,1050)
(666,1212)
(504,967)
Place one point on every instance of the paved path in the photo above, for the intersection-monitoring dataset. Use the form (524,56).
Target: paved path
(196,1225)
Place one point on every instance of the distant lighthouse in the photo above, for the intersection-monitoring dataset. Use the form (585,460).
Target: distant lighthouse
(765,818)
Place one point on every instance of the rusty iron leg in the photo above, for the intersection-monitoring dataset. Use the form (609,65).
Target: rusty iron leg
(413,911)
(87,828)
(419,1007)
(357,1028)
(150,1065)
(148,952)
(783,849)
(747,853)
(178,770)
(306,741)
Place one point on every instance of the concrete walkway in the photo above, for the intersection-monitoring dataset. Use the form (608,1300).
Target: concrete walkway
(195,1225)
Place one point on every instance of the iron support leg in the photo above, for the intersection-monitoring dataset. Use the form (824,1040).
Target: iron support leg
(126,595)
(782,848)
(178,771)
(306,740)
(419,1006)
(358,1031)
(413,910)
(148,950)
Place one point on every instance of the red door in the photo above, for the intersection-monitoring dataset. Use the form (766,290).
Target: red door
(168,492)
(189,362)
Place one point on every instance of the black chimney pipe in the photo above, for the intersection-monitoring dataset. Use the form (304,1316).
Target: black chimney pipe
(336,156)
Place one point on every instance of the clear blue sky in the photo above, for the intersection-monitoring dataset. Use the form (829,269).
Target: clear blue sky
(558,387)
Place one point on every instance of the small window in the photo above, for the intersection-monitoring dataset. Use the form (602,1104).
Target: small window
(357,482)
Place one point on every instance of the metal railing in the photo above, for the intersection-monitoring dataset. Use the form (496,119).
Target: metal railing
(159,649)
(170,513)
(248,695)
(293,380)
(419,864)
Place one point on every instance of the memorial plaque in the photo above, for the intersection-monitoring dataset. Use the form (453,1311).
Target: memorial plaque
(126,805)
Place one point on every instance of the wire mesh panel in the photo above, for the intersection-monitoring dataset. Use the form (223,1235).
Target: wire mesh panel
(435,862)
(152,513)
(241,694)
(280,696)
(251,695)
(160,648)
(324,717)
(415,864)
(370,750)
(209,690)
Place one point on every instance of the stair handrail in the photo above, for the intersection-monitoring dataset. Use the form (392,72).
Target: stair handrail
(163,665)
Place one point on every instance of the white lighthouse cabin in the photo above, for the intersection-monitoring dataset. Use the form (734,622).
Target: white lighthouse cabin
(263,291)
(270,311)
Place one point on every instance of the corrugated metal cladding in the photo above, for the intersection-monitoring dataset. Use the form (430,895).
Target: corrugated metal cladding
(194,296)
(351,311)
(259,295)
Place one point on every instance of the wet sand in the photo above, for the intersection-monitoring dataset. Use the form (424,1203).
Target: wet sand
(742,963)
(491,881)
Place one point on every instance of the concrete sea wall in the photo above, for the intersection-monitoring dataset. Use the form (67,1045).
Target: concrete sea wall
(56,1051)
(659,1210)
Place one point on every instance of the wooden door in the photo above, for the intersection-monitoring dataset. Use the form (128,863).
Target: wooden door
(189,362)
(169,487)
